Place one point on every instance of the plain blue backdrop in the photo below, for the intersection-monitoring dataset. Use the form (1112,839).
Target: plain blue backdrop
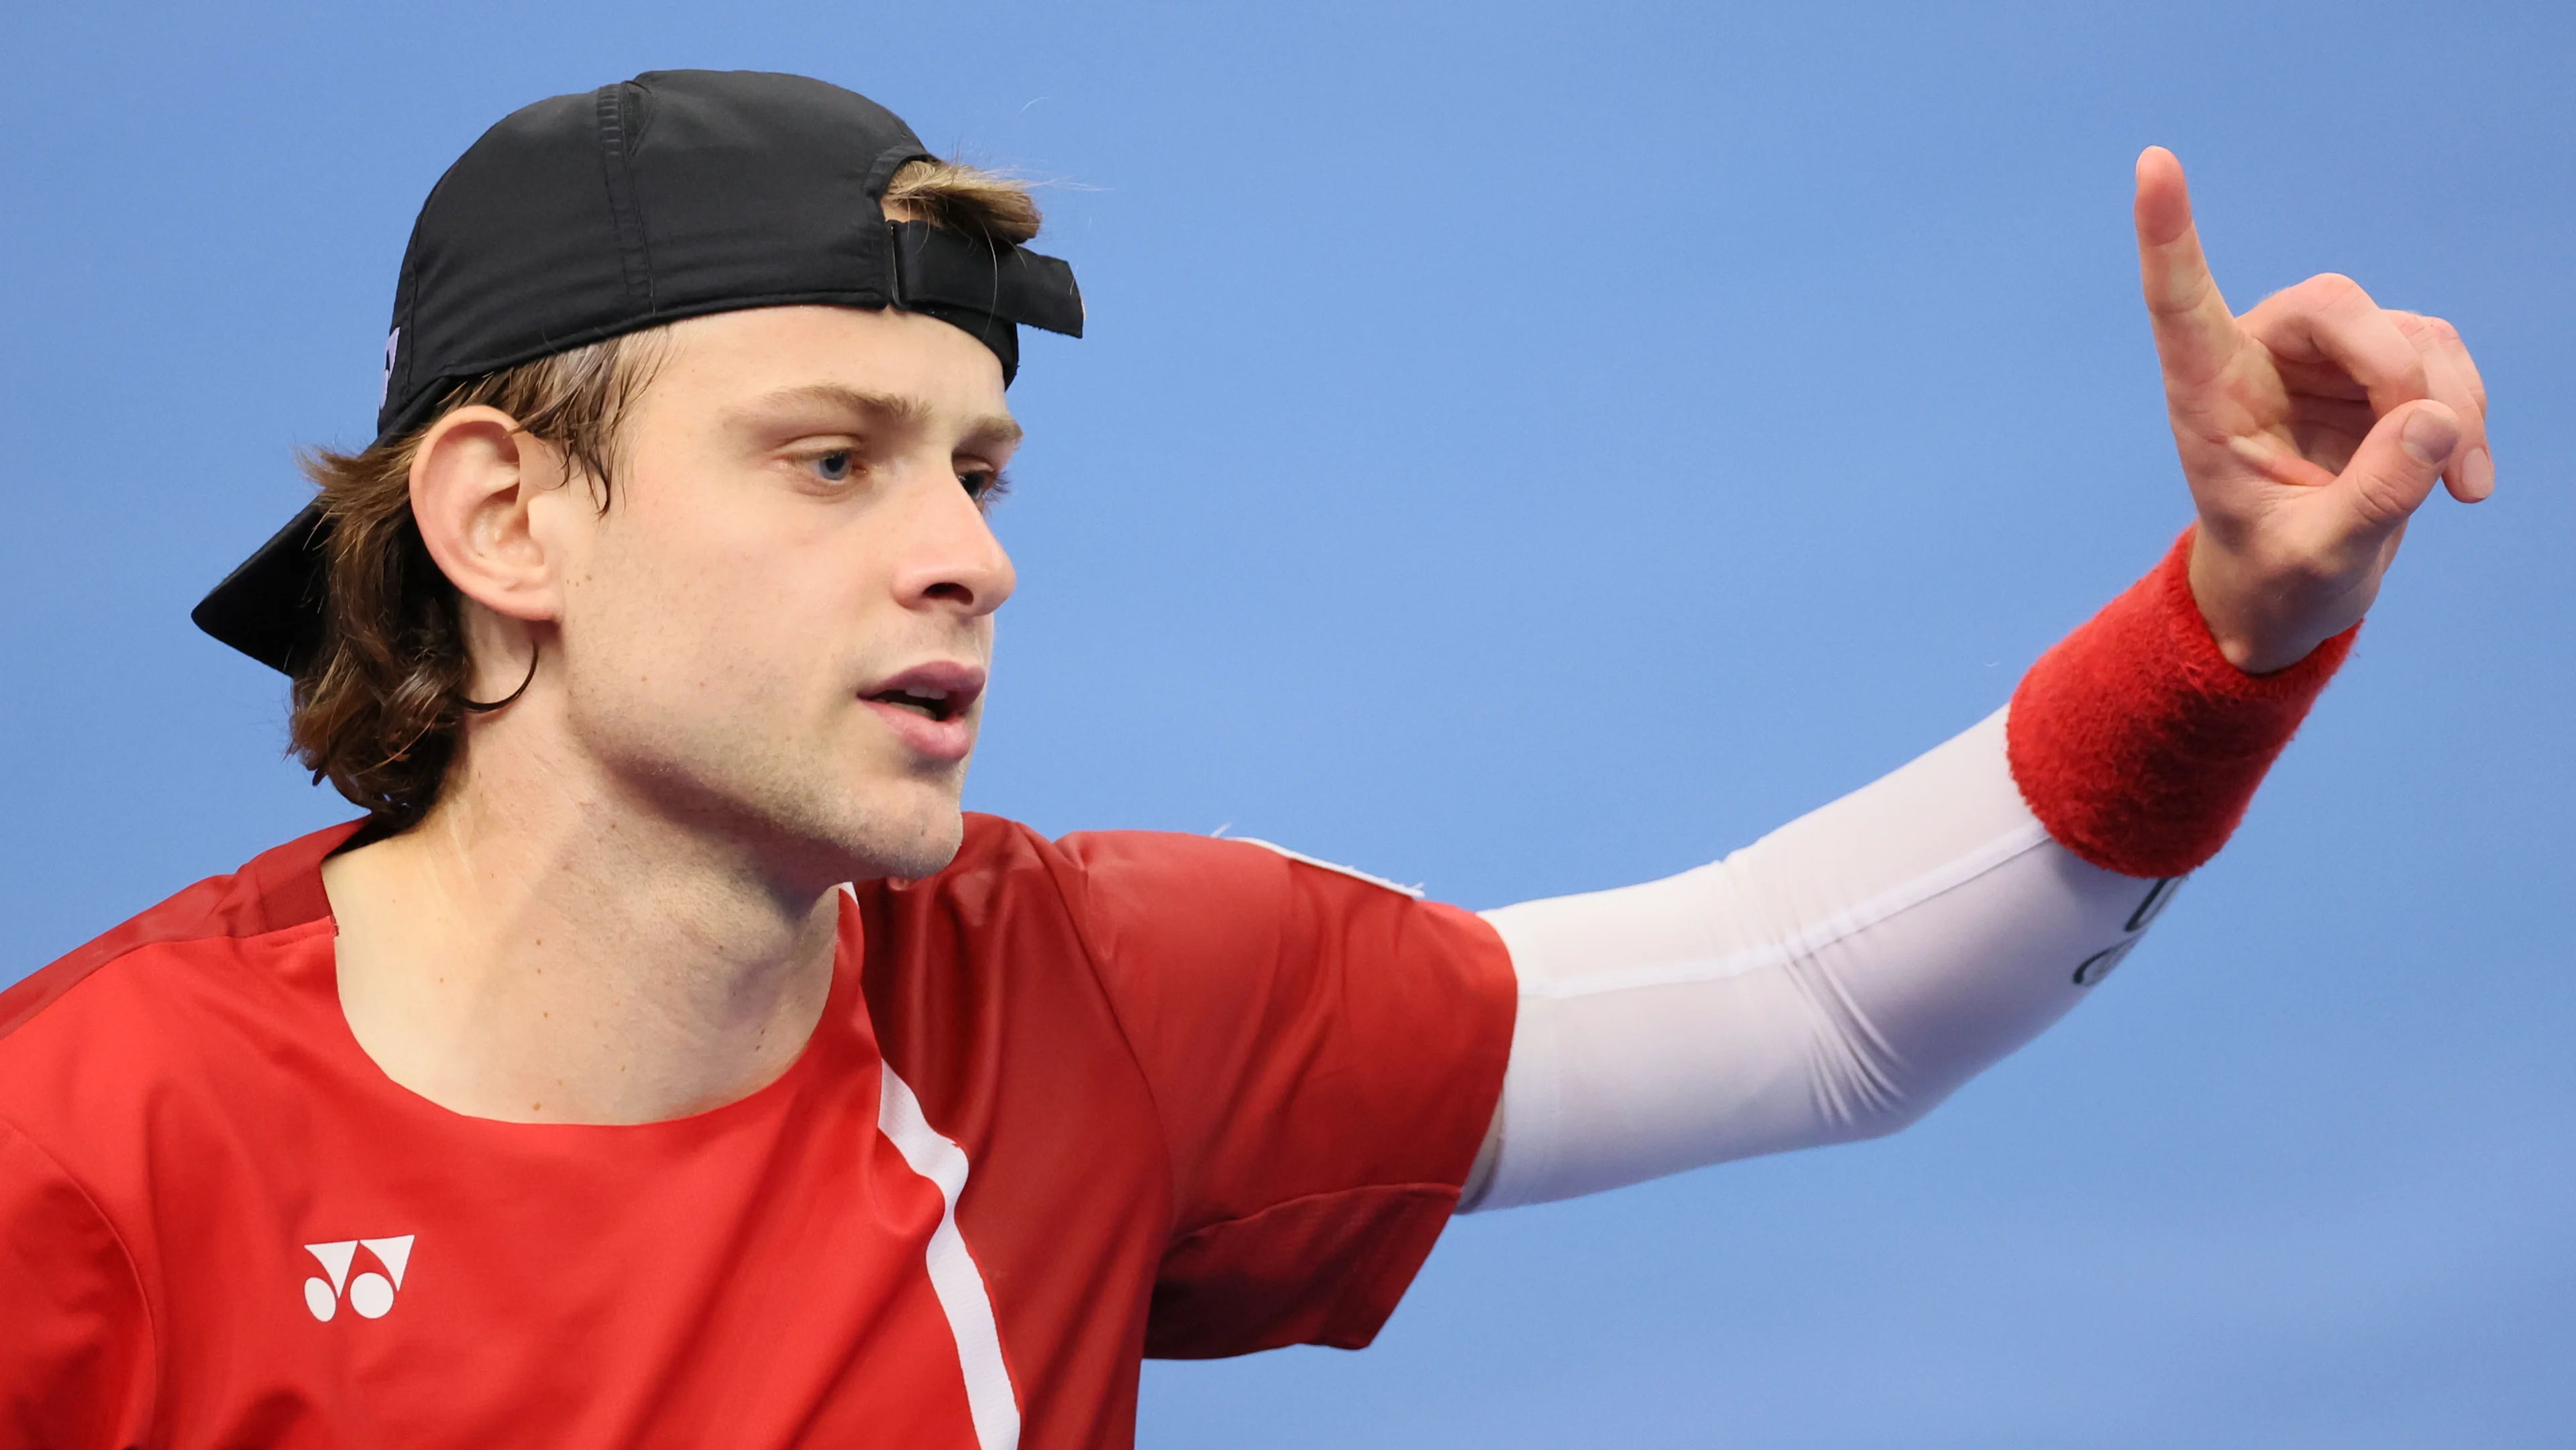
(1527,449)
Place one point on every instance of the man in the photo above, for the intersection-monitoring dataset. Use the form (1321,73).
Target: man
(665,1061)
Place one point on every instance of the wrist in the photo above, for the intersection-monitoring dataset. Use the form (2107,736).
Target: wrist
(2138,744)
(2263,619)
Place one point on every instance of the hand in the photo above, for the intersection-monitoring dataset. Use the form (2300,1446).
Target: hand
(2310,429)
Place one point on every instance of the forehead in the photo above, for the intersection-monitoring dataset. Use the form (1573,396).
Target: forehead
(939,377)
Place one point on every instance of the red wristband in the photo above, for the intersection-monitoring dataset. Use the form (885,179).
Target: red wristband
(2134,740)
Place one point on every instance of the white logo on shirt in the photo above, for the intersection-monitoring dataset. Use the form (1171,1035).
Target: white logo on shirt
(371,1293)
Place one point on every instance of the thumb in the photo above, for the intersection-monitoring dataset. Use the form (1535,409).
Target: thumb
(2394,470)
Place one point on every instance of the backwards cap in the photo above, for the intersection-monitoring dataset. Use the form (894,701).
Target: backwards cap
(675,194)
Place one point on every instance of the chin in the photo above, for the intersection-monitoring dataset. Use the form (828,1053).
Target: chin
(923,851)
(903,827)
(864,830)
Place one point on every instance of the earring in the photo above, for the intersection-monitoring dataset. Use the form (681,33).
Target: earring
(486,707)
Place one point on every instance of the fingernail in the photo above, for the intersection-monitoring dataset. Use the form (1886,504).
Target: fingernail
(2429,437)
(2477,473)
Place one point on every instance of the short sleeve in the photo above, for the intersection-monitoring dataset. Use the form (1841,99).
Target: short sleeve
(1324,1054)
(75,1341)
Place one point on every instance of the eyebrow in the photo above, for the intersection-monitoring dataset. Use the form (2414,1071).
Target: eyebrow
(908,412)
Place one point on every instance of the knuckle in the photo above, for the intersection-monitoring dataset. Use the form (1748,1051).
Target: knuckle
(2382,499)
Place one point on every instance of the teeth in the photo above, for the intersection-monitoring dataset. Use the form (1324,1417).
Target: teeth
(919,693)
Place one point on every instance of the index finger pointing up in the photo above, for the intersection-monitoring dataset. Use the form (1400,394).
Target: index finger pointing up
(2195,333)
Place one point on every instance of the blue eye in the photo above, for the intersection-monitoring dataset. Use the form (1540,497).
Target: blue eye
(834,467)
(984,485)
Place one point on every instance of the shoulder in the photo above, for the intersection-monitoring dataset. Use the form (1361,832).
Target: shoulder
(1211,927)
(1005,862)
(95,1018)
(1150,912)
(1116,885)
(276,889)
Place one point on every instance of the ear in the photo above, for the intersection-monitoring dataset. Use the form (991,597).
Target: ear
(474,480)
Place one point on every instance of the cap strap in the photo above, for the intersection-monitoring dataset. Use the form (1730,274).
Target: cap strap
(945,268)
(888,162)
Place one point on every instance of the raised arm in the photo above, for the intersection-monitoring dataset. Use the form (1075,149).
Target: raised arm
(1838,978)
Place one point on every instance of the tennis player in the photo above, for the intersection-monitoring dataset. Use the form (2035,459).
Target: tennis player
(662,1059)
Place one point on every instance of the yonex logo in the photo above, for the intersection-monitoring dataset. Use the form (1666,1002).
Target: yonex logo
(371,1293)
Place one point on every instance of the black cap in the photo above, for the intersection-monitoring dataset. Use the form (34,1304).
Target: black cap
(675,194)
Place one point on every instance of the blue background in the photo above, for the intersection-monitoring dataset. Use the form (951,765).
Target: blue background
(1526,450)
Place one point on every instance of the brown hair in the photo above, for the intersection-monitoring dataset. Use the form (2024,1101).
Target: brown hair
(379,706)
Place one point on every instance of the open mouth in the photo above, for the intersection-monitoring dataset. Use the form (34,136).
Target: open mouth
(929,702)
(929,708)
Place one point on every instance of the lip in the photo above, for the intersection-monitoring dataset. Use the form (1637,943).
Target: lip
(951,738)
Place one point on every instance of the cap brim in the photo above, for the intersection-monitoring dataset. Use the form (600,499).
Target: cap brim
(270,608)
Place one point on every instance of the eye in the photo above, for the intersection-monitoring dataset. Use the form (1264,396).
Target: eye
(837,466)
(984,485)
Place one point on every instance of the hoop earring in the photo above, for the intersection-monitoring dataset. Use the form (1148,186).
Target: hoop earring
(486,707)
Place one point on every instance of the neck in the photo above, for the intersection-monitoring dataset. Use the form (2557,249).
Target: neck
(538,952)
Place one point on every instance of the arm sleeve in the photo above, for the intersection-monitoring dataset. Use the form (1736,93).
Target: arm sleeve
(1840,977)
(1324,1054)
(76,1358)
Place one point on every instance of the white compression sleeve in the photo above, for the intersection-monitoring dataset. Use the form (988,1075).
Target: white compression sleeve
(1832,981)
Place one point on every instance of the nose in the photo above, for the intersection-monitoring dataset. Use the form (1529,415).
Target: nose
(952,560)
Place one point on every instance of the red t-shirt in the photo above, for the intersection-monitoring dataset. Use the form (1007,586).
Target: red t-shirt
(1070,1104)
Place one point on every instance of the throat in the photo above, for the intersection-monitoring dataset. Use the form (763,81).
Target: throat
(506,994)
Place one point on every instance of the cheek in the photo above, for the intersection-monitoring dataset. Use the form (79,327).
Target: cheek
(697,619)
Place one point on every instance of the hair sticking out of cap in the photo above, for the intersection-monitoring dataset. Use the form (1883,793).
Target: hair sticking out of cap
(963,199)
